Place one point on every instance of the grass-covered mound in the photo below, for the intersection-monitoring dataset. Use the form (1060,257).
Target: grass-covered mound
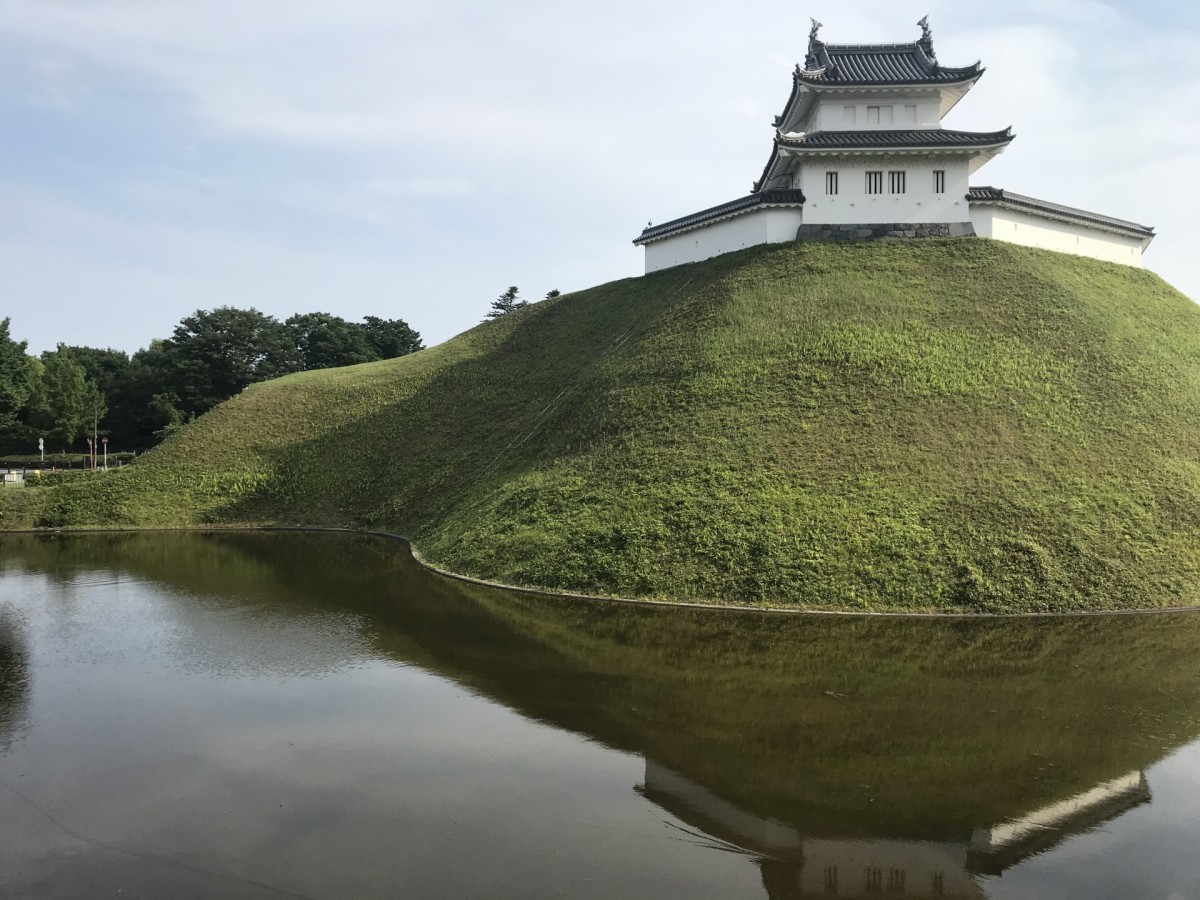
(957,425)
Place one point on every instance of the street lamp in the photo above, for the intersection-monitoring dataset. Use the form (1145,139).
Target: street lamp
(104,444)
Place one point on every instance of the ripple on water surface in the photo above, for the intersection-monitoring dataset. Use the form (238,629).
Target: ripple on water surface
(262,715)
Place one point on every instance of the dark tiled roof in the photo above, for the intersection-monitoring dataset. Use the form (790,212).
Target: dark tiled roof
(998,195)
(853,64)
(762,198)
(922,137)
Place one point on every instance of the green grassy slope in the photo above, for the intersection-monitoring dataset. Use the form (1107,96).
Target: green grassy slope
(962,425)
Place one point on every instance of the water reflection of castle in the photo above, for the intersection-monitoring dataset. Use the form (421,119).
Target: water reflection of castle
(794,866)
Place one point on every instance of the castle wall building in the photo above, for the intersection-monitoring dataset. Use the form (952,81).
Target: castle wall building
(860,153)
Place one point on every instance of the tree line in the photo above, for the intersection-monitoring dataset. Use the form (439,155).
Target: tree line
(138,400)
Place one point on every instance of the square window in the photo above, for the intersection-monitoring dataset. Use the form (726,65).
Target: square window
(831,183)
(850,114)
(874,182)
(896,182)
(939,181)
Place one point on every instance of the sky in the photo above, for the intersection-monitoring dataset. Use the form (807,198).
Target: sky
(413,159)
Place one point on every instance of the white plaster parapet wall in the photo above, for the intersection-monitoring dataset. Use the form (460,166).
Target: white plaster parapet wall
(765,225)
(1033,228)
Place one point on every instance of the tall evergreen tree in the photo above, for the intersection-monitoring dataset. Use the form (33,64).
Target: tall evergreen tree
(506,303)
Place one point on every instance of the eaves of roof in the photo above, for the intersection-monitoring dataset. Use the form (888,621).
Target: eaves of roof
(923,138)
(890,141)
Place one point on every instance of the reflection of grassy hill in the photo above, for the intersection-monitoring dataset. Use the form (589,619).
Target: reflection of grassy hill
(839,727)
(955,424)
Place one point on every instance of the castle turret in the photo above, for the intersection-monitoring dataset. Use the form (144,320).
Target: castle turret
(861,135)
(860,152)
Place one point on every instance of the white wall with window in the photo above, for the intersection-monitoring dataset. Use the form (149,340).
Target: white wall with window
(917,201)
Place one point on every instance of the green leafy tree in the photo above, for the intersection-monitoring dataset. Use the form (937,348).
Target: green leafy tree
(17,371)
(551,294)
(164,411)
(64,405)
(391,337)
(214,354)
(111,371)
(107,367)
(325,341)
(506,303)
(211,355)
(136,418)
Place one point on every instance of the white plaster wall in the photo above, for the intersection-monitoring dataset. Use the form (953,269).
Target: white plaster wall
(914,864)
(1031,230)
(830,115)
(770,225)
(853,205)
(782,224)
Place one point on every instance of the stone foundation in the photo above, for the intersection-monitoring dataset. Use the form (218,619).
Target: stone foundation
(877,232)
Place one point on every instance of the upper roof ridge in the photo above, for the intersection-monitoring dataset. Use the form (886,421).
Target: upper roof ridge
(900,45)
(905,62)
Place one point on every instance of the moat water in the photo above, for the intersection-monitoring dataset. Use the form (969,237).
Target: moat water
(298,715)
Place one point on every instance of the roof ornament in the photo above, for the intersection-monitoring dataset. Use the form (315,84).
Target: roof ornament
(812,61)
(926,41)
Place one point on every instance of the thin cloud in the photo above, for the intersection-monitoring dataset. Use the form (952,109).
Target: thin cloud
(423,186)
(376,139)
